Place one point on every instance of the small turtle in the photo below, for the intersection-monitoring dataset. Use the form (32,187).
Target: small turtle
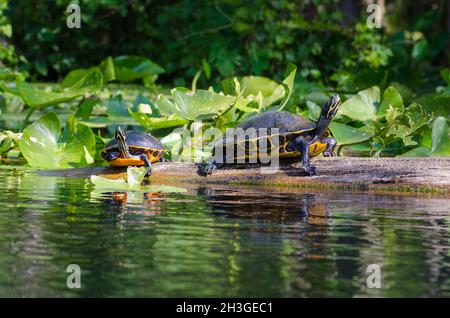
(289,134)
(133,148)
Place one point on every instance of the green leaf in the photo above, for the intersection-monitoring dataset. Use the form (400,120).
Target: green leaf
(133,183)
(445,74)
(391,97)
(199,104)
(85,108)
(108,70)
(44,147)
(417,152)
(347,135)
(288,83)
(152,123)
(440,138)
(37,98)
(129,68)
(258,87)
(362,106)
(420,49)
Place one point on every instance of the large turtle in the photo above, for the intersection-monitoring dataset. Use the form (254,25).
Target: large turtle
(287,134)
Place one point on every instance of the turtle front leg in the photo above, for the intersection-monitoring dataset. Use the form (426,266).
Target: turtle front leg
(302,146)
(329,150)
(206,168)
(147,163)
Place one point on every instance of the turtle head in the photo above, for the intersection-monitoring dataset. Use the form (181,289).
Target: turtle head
(328,111)
(121,137)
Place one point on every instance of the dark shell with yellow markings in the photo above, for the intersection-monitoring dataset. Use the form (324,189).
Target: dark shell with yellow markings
(273,130)
(139,142)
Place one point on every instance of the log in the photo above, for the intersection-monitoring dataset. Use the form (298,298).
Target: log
(399,174)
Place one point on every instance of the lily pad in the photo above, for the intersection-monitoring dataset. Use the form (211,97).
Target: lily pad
(43,145)
(362,106)
(134,177)
(38,98)
(347,135)
(152,123)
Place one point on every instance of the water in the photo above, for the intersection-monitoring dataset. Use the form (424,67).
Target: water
(217,241)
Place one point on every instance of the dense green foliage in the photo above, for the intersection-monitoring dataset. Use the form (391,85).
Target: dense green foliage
(119,67)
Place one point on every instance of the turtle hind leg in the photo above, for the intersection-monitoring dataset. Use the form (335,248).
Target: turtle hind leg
(206,168)
(329,150)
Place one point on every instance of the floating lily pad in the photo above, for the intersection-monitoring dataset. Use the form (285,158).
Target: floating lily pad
(133,183)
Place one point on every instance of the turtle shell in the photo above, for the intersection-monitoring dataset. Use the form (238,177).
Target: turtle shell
(273,130)
(138,142)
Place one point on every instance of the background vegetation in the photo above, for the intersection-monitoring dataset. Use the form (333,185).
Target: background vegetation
(119,67)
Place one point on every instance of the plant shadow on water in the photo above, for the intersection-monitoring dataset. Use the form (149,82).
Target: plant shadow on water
(217,241)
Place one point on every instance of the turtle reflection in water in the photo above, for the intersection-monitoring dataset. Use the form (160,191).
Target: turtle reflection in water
(305,208)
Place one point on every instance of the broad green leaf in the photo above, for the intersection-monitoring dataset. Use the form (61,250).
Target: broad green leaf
(362,106)
(440,138)
(43,145)
(152,123)
(85,108)
(420,49)
(108,70)
(391,97)
(435,103)
(38,98)
(445,74)
(347,135)
(266,90)
(165,105)
(417,152)
(288,83)
(129,68)
(135,176)
(106,67)
(201,103)
(133,183)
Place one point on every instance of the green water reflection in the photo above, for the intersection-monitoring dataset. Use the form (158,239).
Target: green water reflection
(219,241)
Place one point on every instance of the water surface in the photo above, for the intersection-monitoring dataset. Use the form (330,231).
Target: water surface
(217,241)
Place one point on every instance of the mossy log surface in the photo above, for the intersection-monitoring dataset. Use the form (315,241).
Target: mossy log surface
(399,174)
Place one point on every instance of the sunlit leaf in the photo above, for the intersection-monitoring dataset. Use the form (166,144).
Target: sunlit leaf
(391,97)
(440,138)
(362,106)
(288,83)
(43,145)
(347,135)
(417,152)
(133,183)
(152,123)
(201,103)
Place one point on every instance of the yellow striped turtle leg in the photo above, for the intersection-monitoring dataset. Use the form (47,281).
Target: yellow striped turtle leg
(302,146)
(329,150)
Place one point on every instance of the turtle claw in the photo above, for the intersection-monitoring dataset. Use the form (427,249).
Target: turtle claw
(329,154)
(311,170)
(206,169)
